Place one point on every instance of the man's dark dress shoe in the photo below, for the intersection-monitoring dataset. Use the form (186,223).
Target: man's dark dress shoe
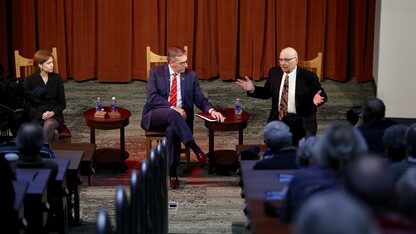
(174,182)
(202,157)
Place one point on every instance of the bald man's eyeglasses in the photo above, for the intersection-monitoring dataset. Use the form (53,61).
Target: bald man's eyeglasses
(285,60)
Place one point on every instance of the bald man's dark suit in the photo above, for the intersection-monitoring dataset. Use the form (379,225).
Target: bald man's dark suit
(157,112)
(307,85)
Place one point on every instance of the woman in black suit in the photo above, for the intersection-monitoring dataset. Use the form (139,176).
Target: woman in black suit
(46,95)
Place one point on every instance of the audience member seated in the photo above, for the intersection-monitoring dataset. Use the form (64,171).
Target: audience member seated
(8,215)
(406,191)
(29,141)
(278,138)
(399,168)
(15,121)
(296,127)
(306,155)
(335,212)
(394,143)
(373,123)
(340,144)
(353,115)
(295,124)
(369,180)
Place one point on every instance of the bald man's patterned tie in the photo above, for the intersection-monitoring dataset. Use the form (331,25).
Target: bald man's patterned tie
(284,98)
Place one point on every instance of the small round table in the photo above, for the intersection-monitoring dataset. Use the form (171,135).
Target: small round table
(107,123)
(232,122)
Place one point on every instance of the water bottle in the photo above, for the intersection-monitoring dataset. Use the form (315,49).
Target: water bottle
(113,104)
(99,104)
(237,107)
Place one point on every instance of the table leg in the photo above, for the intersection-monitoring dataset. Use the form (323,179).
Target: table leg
(211,150)
(76,207)
(92,135)
(240,136)
(122,148)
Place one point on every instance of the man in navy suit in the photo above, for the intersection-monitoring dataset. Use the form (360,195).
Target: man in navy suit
(304,91)
(172,111)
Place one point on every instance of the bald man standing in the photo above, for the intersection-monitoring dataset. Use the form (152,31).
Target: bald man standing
(292,89)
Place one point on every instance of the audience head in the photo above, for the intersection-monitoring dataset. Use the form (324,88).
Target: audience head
(277,135)
(369,179)
(334,212)
(410,138)
(30,138)
(406,190)
(306,151)
(373,110)
(296,127)
(353,114)
(16,120)
(394,143)
(340,144)
(40,57)
(177,59)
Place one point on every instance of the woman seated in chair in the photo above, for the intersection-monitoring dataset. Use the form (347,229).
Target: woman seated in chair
(46,95)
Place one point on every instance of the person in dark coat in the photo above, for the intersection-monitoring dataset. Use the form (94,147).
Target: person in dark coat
(29,142)
(46,95)
(172,91)
(305,93)
(278,138)
(372,124)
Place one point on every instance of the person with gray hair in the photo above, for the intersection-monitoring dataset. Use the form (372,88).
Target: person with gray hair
(278,138)
(335,212)
(368,179)
(306,155)
(340,143)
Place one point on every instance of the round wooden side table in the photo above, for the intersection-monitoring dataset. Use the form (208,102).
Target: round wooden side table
(107,123)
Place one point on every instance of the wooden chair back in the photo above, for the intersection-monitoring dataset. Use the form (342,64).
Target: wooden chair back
(155,59)
(162,152)
(122,211)
(314,65)
(156,195)
(103,225)
(135,197)
(144,211)
(26,64)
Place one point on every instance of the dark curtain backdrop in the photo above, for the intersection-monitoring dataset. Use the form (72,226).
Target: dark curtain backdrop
(106,40)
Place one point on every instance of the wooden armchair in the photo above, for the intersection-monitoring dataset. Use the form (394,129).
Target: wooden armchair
(26,64)
(314,65)
(152,59)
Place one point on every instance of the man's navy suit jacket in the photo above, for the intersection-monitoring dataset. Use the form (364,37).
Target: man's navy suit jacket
(158,90)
